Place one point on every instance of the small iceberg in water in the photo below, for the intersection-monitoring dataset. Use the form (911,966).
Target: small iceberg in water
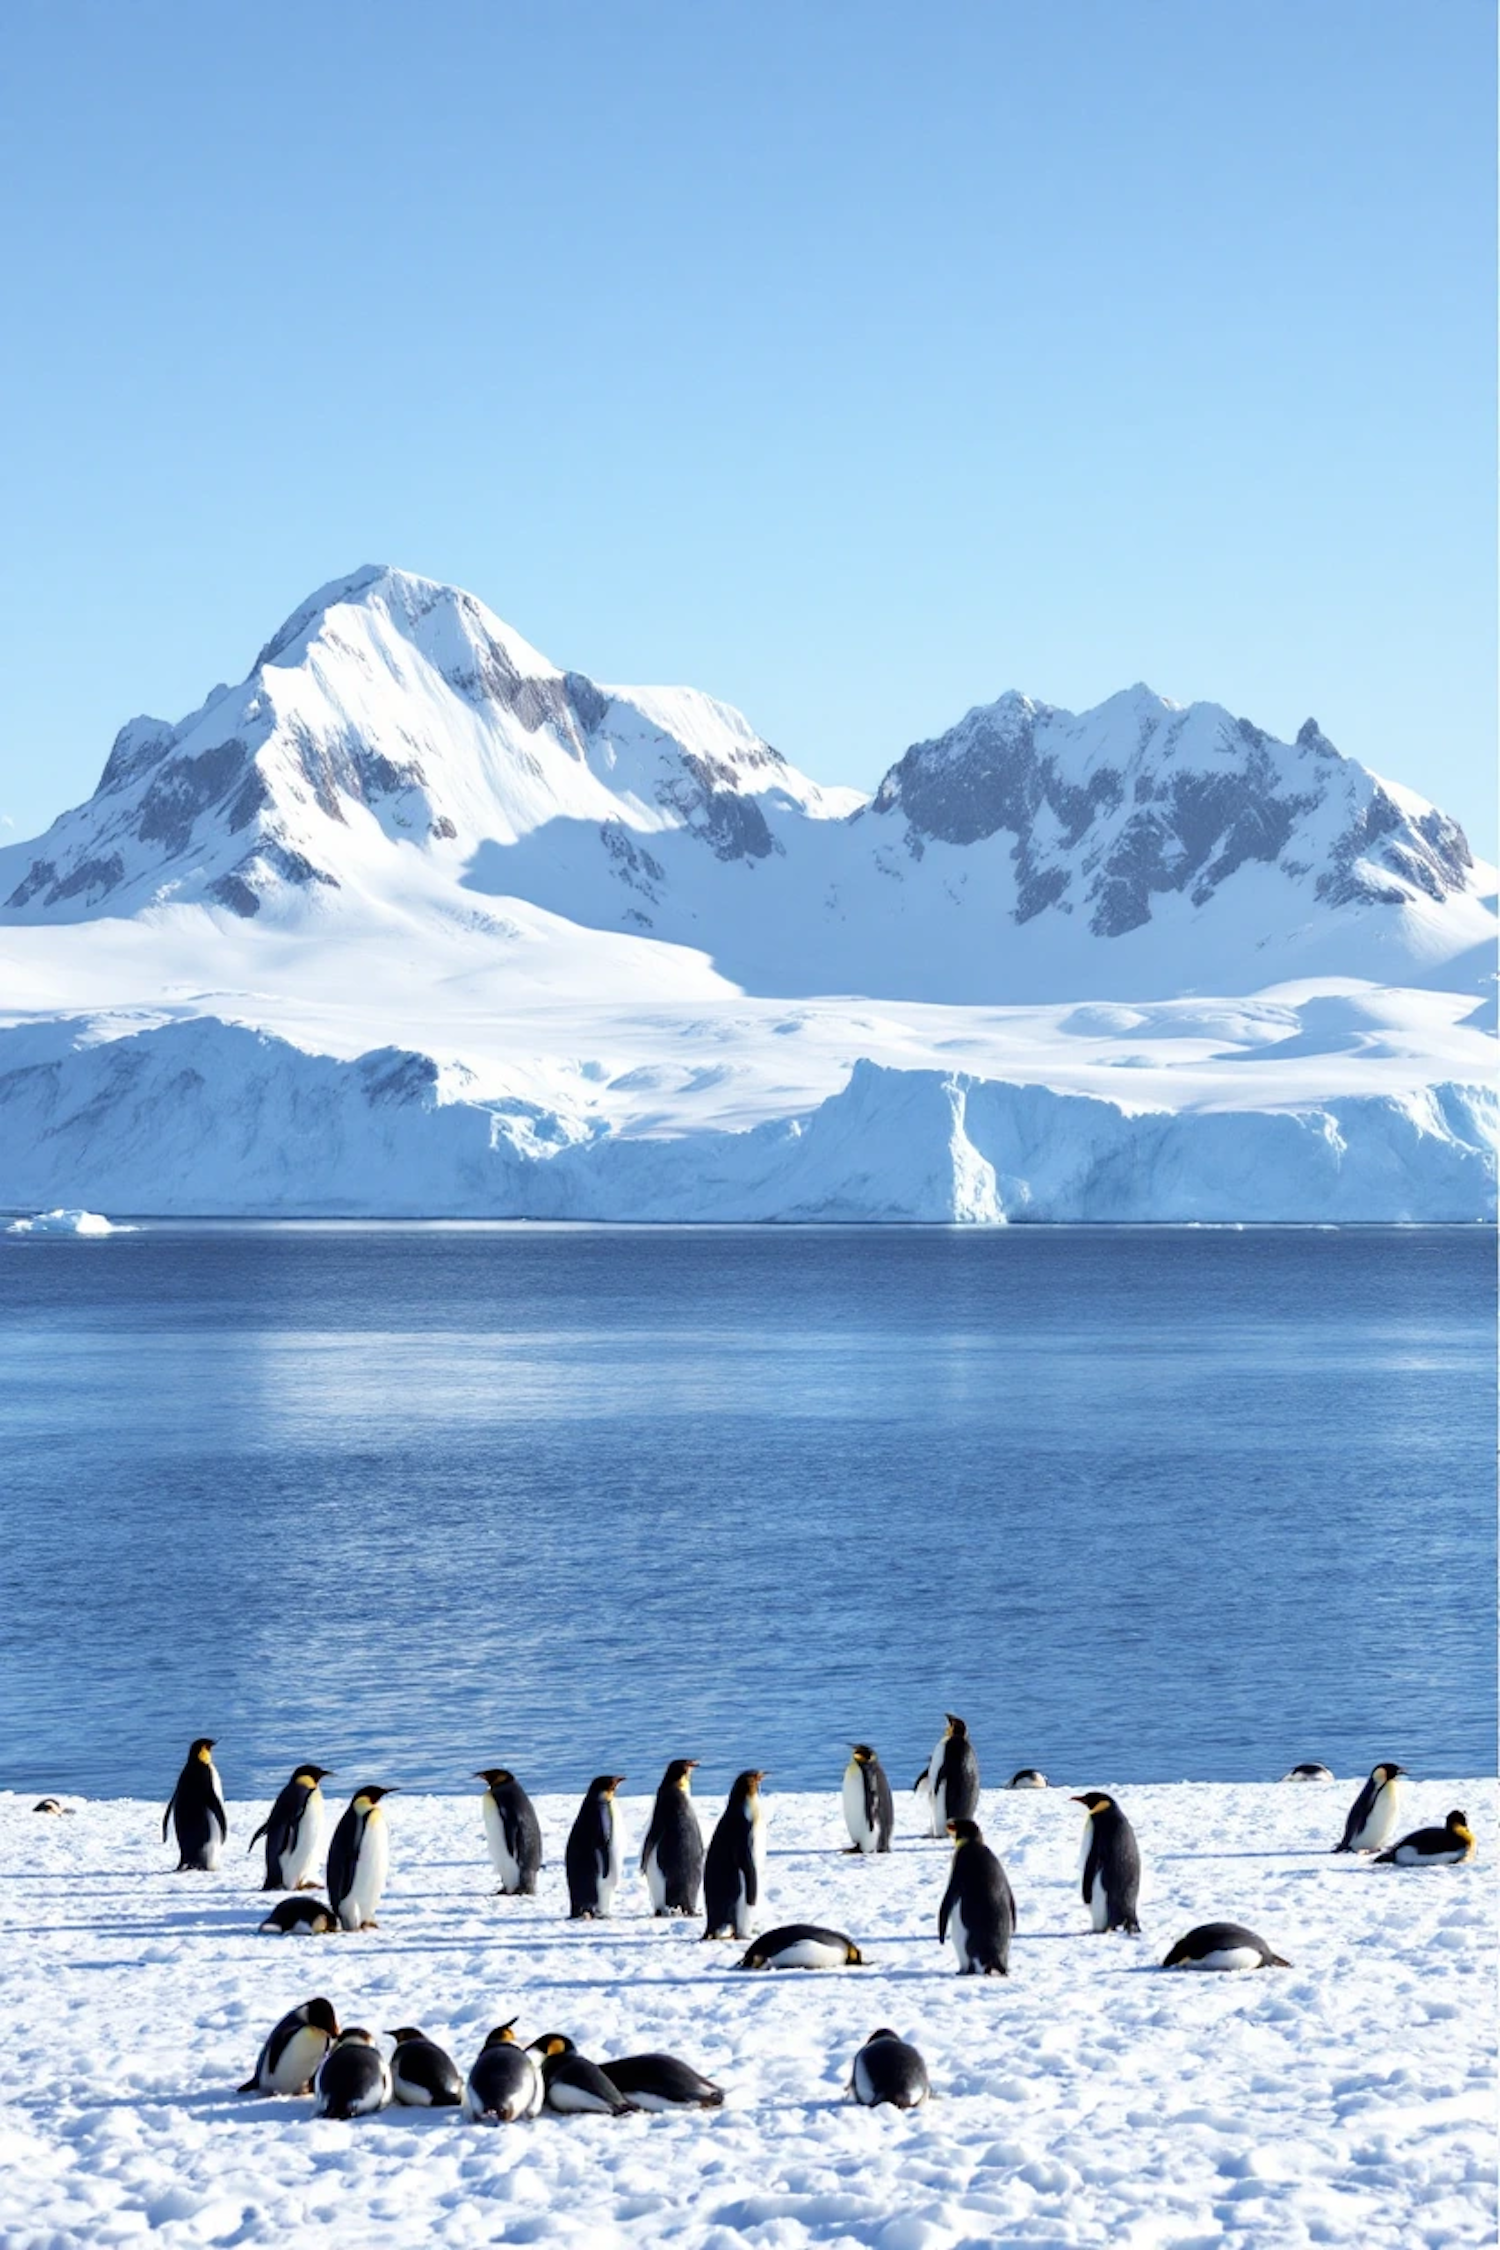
(67,1222)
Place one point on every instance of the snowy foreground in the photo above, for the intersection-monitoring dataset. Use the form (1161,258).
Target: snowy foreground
(1093,2098)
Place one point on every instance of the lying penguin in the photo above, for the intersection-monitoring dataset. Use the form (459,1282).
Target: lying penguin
(1448,1846)
(1223,1945)
(504,2084)
(803,1945)
(574,2086)
(886,2069)
(353,2078)
(423,2076)
(299,1917)
(662,2082)
(294,2050)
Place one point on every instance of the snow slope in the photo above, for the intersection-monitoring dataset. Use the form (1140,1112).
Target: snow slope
(1091,2099)
(514,929)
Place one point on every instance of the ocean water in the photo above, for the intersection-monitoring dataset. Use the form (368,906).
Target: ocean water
(1141,1504)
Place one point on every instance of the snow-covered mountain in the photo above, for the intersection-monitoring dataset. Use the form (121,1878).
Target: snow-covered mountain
(397,750)
(506,939)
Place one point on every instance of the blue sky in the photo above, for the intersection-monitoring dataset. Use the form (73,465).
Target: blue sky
(853,362)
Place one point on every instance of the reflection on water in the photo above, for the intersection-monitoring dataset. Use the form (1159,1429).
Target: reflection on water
(1142,1504)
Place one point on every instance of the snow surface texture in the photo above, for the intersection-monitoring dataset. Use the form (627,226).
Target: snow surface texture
(537,915)
(1093,2098)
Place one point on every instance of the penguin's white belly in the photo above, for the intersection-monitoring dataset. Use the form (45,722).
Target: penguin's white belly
(1225,1957)
(958,1936)
(810,1953)
(1098,1903)
(860,1831)
(298,1863)
(500,1857)
(298,2061)
(1407,1856)
(656,1884)
(864,2090)
(937,1797)
(369,1875)
(577,2101)
(609,1881)
(1381,1821)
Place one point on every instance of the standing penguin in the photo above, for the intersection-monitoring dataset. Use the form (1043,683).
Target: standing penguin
(1109,1863)
(353,2078)
(953,1777)
(196,1810)
(592,1858)
(978,1913)
(734,1870)
(358,1859)
(672,1855)
(293,1830)
(1374,1812)
(869,1813)
(512,1831)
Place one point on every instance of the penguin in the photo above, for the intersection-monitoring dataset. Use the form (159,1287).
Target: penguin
(662,2082)
(734,1869)
(1110,1864)
(504,2083)
(56,1805)
(353,2078)
(672,1855)
(953,1777)
(422,2076)
(291,2055)
(1311,1771)
(1029,1777)
(592,1857)
(869,1813)
(1448,1846)
(1223,1945)
(196,1810)
(575,2086)
(299,1917)
(803,1945)
(886,2069)
(358,1859)
(512,1831)
(1374,1812)
(978,1913)
(293,1829)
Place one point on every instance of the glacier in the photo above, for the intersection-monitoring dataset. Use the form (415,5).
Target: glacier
(413,920)
(200,1117)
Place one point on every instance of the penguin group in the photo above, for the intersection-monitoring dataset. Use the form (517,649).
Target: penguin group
(351,2074)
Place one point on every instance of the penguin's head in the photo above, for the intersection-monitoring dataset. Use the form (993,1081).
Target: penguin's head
(203,1748)
(862,1753)
(1384,1773)
(496,1776)
(965,1832)
(552,2043)
(1458,1825)
(1094,1801)
(312,1775)
(854,1957)
(605,1784)
(319,2016)
(406,2032)
(680,1772)
(885,2032)
(365,1800)
(355,2035)
(503,2035)
(955,1726)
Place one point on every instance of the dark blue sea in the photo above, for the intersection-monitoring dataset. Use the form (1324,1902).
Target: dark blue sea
(1140,1504)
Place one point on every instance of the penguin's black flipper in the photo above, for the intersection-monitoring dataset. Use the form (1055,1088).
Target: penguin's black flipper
(216,1807)
(947,1906)
(745,1854)
(255,1839)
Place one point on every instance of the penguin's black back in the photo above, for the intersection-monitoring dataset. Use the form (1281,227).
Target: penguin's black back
(880,1810)
(522,1831)
(587,1856)
(979,1889)
(958,1778)
(422,2063)
(1115,1857)
(280,1830)
(677,1842)
(893,2073)
(665,2076)
(343,1856)
(729,1864)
